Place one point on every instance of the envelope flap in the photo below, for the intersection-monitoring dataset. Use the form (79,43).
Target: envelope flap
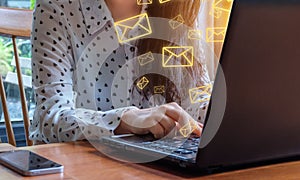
(201,90)
(149,55)
(144,80)
(169,50)
(222,4)
(137,19)
(195,93)
(195,32)
(219,31)
(159,87)
(179,18)
(186,51)
(218,2)
(141,2)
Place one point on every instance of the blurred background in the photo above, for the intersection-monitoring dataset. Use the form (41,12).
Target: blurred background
(8,73)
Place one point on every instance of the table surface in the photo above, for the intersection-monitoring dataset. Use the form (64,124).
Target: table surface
(83,161)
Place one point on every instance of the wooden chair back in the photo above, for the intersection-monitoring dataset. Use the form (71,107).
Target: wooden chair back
(15,23)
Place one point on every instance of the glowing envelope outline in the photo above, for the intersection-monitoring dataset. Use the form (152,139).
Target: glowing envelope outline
(146,58)
(200,94)
(216,34)
(126,27)
(142,83)
(176,22)
(184,54)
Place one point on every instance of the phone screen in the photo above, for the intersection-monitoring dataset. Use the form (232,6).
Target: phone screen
(29,163)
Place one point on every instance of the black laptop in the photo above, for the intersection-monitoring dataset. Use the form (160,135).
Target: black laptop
(260,65)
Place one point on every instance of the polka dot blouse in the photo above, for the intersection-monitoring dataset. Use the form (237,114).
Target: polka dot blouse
(64,35)
(76,59)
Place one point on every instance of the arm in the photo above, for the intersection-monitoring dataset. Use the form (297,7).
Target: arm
(56,119)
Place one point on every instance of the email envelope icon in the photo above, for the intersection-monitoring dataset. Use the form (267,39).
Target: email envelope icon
(176,22)
(216,13)
(223,5)
(187,129)
(142,2)
(140,21)
(142,83)
(146,58)
(159,89)
(200,94)
(179,56)
(195,34)
(215,34)
(163,1)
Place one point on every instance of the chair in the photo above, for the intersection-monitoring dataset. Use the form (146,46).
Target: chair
(15,23)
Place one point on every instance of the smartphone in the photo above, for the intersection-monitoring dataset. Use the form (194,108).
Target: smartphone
(28,163)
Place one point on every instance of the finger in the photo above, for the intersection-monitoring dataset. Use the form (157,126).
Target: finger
(168,109)
(157,131)
(198,130)
(168,124)
(185,120)
(200,124)
(175,112)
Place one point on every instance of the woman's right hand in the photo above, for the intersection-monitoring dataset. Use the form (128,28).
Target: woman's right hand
(159,121)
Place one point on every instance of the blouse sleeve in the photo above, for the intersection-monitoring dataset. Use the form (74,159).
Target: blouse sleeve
(56,119)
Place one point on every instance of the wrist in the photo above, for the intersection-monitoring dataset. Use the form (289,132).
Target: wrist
(123,128)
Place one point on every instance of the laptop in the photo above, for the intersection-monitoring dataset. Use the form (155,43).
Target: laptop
(260,64)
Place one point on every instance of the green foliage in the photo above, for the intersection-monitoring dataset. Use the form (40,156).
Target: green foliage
(32,4)
(24,48)
(5,48)
(5,57)
(6,54)
(4,68)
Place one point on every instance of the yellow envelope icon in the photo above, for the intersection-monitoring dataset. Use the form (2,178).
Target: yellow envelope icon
(159,89)
(216,13)
(142,2)
(178,56)
(163,1)
(222,5)
(140,21)
(146,58)
(200,94)
(176,22)
(195,34)
(142,83)
(187,129)
(215,34)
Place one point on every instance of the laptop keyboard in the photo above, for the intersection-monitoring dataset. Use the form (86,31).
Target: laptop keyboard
(175,146)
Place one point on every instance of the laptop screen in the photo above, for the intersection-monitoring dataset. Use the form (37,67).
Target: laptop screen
(260,61)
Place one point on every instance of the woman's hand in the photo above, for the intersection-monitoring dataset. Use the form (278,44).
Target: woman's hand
(159,121)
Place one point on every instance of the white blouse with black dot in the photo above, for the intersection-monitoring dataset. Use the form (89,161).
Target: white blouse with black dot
(65,33)
(75,57)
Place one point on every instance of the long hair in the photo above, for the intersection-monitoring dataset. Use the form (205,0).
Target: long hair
(189,10)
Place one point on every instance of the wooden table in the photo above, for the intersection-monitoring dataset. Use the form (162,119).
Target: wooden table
(82,161)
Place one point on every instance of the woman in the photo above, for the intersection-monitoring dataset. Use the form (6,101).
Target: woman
(70,97)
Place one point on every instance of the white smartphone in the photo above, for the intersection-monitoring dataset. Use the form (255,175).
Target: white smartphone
(28,163)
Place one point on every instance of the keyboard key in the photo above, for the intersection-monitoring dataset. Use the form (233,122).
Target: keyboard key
(186,152)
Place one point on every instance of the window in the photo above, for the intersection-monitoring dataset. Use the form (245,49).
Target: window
(16,3)
(8,72)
